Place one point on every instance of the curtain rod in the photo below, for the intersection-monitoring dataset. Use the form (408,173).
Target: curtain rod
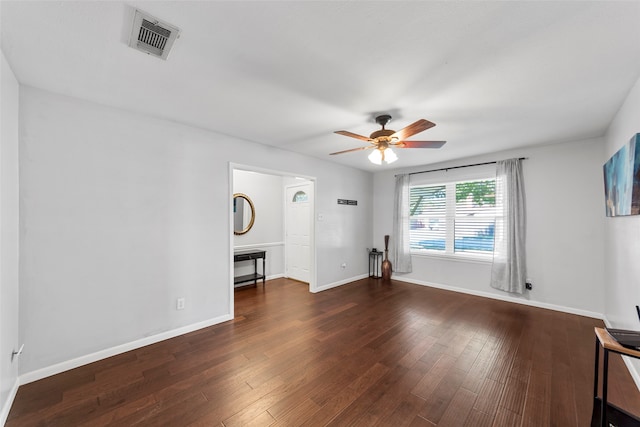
(458,167)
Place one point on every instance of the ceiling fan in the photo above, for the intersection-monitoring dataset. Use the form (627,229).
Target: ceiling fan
(382,140)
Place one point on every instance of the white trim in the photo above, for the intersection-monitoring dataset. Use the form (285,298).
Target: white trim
(119,349)
(339,283)
(632,370)
(258,245)
(232,264)
(249,168)
(9,402)
(538,304)
(458,256)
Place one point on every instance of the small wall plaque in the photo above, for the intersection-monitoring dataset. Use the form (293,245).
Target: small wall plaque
(347,202)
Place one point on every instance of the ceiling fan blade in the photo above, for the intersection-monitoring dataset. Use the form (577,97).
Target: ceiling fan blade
(420,144)
(413,128)
(353,149)
(353,135)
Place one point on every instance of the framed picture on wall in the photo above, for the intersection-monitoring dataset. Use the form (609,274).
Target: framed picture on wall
(622,180)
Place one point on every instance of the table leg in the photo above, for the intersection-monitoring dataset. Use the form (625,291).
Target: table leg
(595,374)
(605,380)
(264,272)
(255,271)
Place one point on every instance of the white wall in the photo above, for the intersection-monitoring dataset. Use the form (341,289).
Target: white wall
(266,191)
(9,242)
(622,243)
(337,234)
(564,196)
(123,213)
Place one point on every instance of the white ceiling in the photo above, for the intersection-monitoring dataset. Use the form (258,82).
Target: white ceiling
(491,75)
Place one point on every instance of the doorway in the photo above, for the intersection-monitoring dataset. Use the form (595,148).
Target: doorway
(290,252)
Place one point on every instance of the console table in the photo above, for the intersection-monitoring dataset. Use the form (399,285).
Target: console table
(248,256)
(604,413)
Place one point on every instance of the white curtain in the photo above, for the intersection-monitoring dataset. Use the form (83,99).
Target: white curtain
(508,272)
(401,253)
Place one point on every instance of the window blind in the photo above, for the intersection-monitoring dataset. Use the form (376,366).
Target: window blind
(475,216)
(455,217)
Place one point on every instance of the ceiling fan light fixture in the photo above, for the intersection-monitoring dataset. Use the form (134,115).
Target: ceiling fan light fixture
(389,156)
(376,157)
(379,154)
(382,139)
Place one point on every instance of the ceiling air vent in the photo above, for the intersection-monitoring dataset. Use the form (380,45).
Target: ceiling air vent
(152,36)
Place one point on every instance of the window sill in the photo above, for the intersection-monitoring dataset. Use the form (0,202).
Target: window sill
(477,259)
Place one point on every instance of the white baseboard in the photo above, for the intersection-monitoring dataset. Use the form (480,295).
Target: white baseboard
(103,354)
(504,298)
(632,370)
(7,404)
(339,283)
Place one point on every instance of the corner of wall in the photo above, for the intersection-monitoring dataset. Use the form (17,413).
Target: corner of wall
(9,224)
(6,407)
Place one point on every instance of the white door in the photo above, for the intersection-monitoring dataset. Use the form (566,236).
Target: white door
(299,209)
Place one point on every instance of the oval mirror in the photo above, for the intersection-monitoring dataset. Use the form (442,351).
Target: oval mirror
(244,214)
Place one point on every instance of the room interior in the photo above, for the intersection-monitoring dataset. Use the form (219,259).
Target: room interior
(118,167)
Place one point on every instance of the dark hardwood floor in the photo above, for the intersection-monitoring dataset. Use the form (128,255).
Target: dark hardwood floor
(364,354)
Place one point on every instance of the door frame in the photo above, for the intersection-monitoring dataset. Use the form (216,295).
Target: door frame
(313,275)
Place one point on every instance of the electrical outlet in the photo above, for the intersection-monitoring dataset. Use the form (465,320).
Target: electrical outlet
(528,283)
(180,304)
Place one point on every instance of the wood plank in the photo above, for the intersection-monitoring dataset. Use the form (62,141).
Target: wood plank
(478,418)
(433,377)
(504,417)
(458,410)
(537,412)
(441,398)
(489,396)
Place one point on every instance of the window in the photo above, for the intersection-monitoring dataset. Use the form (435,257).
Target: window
(300,196)
(453,218)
